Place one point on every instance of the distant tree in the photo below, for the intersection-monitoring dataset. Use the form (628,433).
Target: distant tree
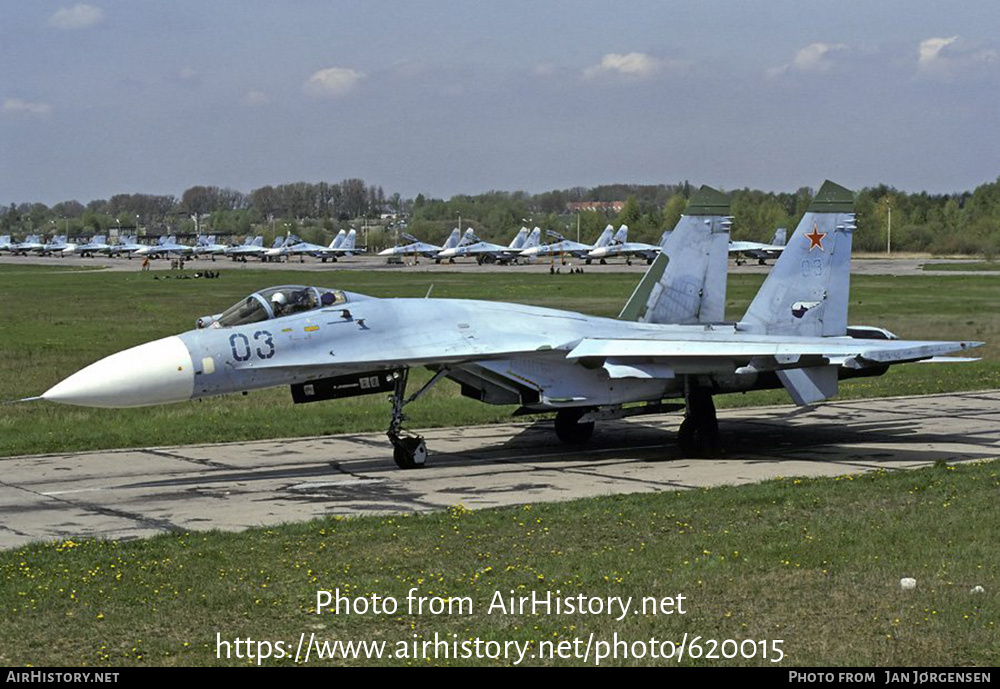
(630,213)
(673,210)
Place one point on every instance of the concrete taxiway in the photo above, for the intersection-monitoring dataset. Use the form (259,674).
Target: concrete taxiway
(140,492)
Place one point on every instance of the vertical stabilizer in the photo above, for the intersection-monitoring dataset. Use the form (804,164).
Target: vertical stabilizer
(518,242)
(806,292)
(350,241)
(605,237)
(452,239)
(338,240)
(534,239)
(686,284)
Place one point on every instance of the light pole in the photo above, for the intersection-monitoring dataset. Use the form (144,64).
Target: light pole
(888,239)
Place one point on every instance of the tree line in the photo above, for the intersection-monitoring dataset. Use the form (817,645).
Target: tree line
(965,222)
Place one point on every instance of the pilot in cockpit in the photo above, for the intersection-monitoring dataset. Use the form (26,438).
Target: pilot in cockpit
(279,302)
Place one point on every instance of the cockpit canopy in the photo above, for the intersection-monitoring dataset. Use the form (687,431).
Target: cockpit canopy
(276,302)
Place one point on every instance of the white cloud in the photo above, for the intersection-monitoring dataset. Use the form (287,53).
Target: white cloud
(815,58)
(632,66)
(332,82)
(79,16)
(254,99)
(930,50)
(954,57)
(16,106)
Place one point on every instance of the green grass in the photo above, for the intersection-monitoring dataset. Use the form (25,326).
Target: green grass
(57,321)
(815,563)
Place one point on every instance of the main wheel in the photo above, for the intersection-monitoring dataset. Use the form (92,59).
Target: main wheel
(698,437)
(410,452)
(570,430)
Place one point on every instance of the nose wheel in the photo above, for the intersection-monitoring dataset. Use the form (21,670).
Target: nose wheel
(409,450)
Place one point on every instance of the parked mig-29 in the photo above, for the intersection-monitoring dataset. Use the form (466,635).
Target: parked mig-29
(669,342)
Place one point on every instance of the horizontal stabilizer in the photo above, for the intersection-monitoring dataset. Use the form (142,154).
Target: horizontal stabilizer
(914,353)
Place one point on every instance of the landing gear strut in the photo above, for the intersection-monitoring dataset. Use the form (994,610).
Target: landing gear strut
(409,450)
(699,432)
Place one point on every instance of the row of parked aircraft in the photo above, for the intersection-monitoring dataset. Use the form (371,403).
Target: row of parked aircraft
(344,244)
(525,245)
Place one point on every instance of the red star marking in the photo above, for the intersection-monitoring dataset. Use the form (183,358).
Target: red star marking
(815,238)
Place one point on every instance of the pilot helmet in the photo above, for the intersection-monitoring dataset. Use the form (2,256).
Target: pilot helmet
(279,299)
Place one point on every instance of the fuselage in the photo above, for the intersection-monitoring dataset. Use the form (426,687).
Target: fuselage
(499,352)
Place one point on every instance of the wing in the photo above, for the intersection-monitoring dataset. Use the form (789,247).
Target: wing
(844,351)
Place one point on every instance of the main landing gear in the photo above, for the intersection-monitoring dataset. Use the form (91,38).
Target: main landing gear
(568,426)
(699,432)
(409,450)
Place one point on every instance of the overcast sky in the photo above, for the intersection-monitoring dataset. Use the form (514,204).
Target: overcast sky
(444,98)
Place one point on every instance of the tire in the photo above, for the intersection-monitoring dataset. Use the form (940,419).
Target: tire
(570,430)
(410,453)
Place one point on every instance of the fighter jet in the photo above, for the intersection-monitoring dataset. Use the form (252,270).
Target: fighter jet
(621,246)
(565,247)
(669,342)
(127,246)
(32,242)
(164,247)
(415,247)
(741,251)
(250,247)
(302,248)
(341,247)
(282,248)
(206,246)
(487,252)
(172,246)
(97,245)
(58,245)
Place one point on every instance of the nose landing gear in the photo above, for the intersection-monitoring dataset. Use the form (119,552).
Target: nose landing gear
(409,450)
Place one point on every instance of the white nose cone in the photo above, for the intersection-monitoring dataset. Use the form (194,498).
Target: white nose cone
(153,373)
